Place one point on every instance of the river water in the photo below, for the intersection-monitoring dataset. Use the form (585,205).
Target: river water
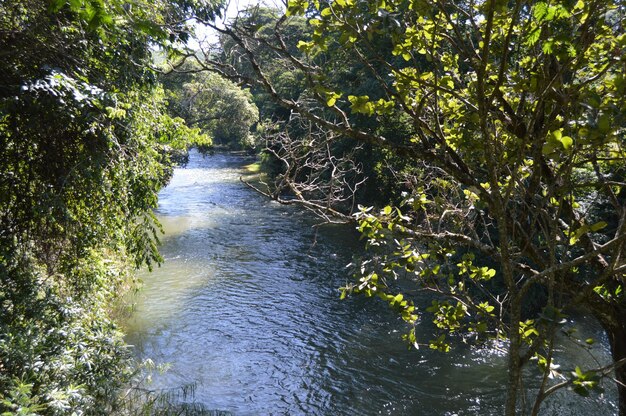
(246,308)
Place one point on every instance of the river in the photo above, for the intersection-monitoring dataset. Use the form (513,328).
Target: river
(246,307)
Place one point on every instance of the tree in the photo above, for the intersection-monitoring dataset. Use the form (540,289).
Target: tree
(515,207)
(215,105)
(82,157)
(289,81)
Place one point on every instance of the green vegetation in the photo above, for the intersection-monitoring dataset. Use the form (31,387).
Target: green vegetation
(253,168)
(495,132)
(477,146)
(84,145)
(212,104)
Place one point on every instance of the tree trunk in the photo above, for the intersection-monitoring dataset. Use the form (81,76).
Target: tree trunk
(613,320)
(617,338)
(514,376)
(514,364)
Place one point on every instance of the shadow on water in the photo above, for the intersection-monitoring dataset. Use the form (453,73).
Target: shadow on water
(246,308)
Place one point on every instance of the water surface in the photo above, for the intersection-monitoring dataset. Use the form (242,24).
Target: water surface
(246,307)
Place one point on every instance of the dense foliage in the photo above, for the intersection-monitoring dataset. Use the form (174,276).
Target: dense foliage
(83,151)
(212,104)
(490,133)
(504,122)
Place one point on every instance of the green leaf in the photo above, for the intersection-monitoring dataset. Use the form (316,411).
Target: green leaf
(574,236)
(566,141)
(578,373)
(604,123)
(555,140)
(332,97)
(447,82)
(361,104)
(533,36)
(598,226)
(547,47)
(76,5)
(296,7)
(540,10)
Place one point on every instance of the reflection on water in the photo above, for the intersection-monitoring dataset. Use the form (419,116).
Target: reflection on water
(246,306)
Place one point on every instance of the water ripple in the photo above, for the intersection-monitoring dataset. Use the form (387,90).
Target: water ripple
(246,306)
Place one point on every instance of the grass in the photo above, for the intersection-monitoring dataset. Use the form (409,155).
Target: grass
(253,167)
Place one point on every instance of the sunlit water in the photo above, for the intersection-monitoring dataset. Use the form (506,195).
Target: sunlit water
(246,307)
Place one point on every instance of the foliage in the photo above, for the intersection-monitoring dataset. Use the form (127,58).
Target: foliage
(284,67)
(83,153)
(261,22)
(511,155)
(212,104)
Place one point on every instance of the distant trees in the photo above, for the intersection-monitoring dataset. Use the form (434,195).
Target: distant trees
(506,126)
(213,104)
